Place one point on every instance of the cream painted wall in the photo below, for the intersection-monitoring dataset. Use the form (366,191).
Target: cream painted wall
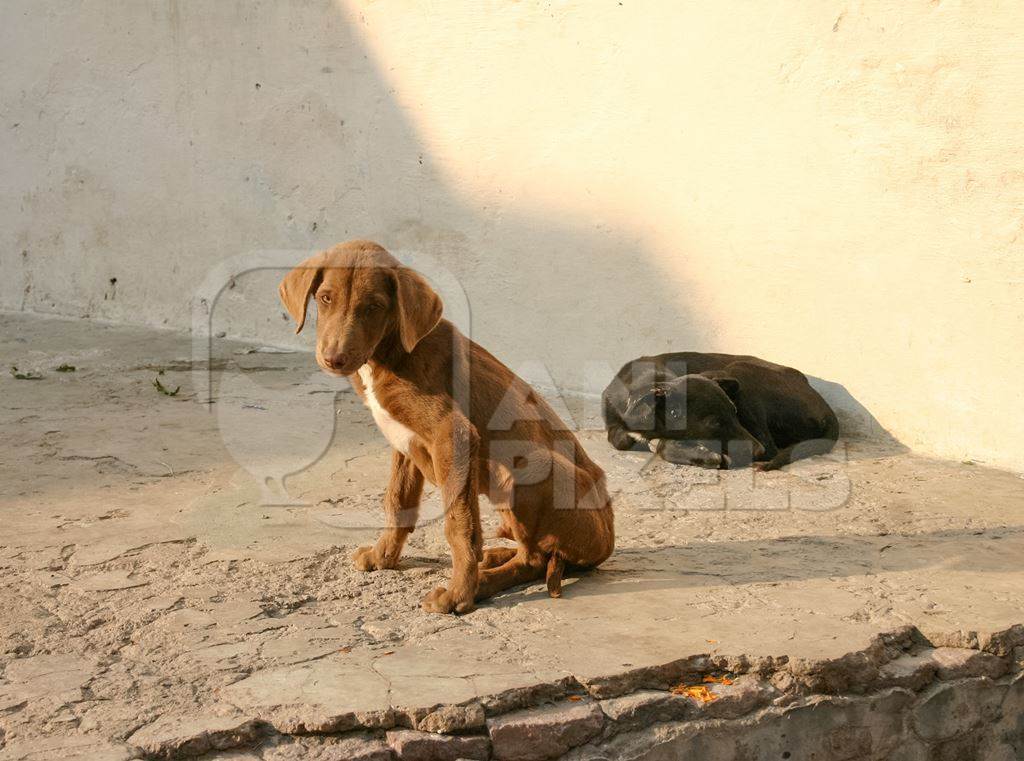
(836,186)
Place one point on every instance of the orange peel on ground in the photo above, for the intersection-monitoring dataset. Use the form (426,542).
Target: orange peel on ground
(698,692)
(717,680)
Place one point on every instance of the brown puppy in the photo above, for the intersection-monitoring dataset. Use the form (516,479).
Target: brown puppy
(459,418)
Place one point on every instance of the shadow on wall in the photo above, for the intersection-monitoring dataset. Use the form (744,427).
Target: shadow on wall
(323,151)
(855,420)
(545,289)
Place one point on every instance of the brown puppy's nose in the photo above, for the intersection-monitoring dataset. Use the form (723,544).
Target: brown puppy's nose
(336,361)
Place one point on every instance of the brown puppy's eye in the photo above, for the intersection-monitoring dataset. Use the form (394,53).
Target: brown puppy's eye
(372,307)
(325,298)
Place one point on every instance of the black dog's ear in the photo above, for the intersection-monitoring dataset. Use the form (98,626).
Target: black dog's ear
(727,383)
(730,386)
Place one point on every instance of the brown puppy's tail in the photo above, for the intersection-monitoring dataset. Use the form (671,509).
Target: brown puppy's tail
(556,567)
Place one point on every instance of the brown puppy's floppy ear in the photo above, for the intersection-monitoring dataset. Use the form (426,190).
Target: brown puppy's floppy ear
(419,308)
(297,287)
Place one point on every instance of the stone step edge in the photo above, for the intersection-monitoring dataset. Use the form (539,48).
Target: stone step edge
(903,658)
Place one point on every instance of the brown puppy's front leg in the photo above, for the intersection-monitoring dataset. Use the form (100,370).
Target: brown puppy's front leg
(455,454)
(401,508)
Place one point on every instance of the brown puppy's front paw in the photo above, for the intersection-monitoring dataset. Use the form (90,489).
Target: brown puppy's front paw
(442,601)
(365,559)
(368,559)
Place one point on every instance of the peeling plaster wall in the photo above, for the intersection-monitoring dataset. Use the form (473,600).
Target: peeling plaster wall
(837,186)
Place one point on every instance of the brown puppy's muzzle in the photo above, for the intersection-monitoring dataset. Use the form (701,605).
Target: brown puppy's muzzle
(344,345)
(339,362)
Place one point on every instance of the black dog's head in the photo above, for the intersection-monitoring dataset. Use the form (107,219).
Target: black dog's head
(694,420)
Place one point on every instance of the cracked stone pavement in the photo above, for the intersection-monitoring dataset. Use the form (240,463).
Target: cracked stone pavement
(146,582)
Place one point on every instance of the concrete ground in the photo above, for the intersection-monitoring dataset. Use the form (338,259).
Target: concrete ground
(151,595)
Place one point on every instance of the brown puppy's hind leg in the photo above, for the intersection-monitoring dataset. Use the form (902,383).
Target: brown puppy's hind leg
(556,567)
(495,556)
(518,570)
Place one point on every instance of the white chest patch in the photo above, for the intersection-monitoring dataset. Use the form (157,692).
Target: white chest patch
(397,434)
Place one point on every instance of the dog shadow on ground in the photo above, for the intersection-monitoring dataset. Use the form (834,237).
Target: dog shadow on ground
(781,560)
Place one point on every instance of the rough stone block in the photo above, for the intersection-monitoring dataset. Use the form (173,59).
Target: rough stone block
(1003,642)
(745,694)
(542,733)
(954,708)
(977,744)
(616,683)
(306,720)
(193,734)
(413,745)
(1010,727)
(66,749)
(849,743)
(643,708)
(504,700)
(911,672)
(825,728)
(360,749)
(961,663)
(910,748)
(355,747)
(451,719)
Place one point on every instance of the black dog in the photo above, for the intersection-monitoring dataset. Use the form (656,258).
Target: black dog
(717,411)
